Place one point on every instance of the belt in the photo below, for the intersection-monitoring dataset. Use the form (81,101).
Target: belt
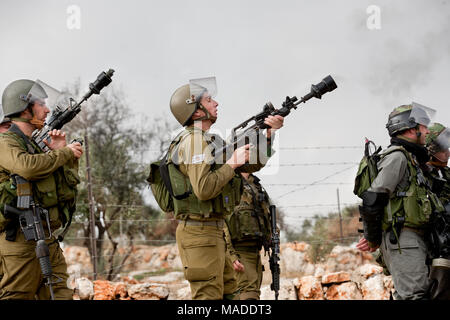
(254,249)
(214,223)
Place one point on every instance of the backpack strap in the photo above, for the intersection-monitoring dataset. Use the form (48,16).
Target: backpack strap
(164,169)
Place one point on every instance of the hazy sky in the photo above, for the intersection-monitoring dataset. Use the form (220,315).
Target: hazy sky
(259,51)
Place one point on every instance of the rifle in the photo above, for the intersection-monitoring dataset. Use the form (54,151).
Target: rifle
(30,221)
(274,254)
(61,117)
(251,134)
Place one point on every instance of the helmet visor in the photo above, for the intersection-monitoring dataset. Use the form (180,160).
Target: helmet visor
(43,94)
(443,140)
(421,114)
(202,87)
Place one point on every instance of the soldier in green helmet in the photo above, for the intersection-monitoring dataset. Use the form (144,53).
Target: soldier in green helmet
(397,207)
(438,143)
(51,180)
(249,226)
(209,189)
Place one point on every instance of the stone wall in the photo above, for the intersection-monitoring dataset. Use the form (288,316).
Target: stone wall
(345,274)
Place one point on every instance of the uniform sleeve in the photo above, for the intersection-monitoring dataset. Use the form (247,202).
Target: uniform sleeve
(31,166)
(392,169)
(231,251)
(195,161)
(259,156)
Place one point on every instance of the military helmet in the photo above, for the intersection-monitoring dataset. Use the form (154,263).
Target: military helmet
(407,117)
(18,94)
(181,106)
(185,100)
(437,139)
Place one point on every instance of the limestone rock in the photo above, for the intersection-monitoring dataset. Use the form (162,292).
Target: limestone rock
(374,288)
(84,288)
(121,291)
(336,277)
(367,270)
(295,261)
(148,291)
(287,291)
(343,291)
(103,290)
(310,288)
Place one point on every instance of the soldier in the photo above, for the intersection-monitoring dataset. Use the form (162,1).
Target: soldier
(53,177)
(208,189)
(439,173)
(5,123)
(396,208)
(249,226)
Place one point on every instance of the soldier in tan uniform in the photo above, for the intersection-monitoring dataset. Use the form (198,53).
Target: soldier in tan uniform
(210,188)
(53,177)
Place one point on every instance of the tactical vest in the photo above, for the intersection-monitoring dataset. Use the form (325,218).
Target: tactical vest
(190,206)
(56,193)
(415,202)
(249,223)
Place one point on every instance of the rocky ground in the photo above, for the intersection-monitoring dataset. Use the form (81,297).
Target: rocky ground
(156,273)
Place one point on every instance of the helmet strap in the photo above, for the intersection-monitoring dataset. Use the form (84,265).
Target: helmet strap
(39,124)
(438,163)
(207,115)
(418,133)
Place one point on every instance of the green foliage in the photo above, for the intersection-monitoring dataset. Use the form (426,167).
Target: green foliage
(322,233)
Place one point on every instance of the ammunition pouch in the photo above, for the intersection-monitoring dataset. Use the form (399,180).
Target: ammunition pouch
(249,223)
(8,196)
(371,213)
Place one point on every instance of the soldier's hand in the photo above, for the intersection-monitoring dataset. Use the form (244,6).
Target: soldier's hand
(77,149)
(238,266)
(240,156)
(274,122)
(364,245)
(58,140)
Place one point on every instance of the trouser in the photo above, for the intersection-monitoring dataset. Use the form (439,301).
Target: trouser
(249,281)
(440,279)
(408,265)
(229,279)
(22,277)
(202,253)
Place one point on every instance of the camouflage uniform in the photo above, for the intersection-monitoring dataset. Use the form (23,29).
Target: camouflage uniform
(250,229)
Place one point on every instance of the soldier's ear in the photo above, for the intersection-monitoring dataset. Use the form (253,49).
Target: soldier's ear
(198,114)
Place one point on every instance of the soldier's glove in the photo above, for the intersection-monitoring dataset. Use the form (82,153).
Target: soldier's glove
(371,213)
